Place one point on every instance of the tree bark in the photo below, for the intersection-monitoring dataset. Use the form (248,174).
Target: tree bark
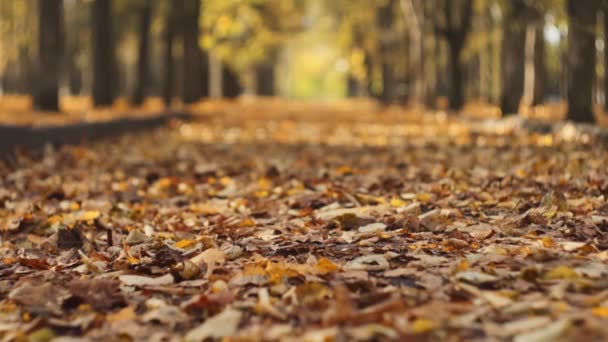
(168,76)
(231,86)
(385,19)
(74,73)
(50,46)
(582,16)
(456,79)
(534,84)
(103,53)
(195,61)
(143,58)
(265,79)
(455,31)
(605,56)
(513,57)
(414,14)
(431,70)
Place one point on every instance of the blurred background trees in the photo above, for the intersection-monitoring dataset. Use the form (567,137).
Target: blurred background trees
(517,55)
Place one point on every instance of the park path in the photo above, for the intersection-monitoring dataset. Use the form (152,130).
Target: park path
(317,224)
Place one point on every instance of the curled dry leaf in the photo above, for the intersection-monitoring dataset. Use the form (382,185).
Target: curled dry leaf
(546,333)
(376,262)
(476,278)
(222,325)
(141,281)
(372,228)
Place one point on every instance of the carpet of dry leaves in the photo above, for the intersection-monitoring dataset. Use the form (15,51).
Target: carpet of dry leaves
(339,225)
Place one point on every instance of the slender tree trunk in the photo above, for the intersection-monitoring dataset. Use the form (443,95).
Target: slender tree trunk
(351,87)
(431,70)
(456,76)
(385,18)
(455,33)
(388,84)
(370,69)
(265,79)
(143,58)
(103,53)
(582,16)
(50,46)
(534,89)
(74,73)
(606,56)
(168,76)
(231,86)
(413,12)
(513,57)
(195,62)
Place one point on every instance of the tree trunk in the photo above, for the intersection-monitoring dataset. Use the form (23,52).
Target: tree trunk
(431,70)
(265,78)
(168,77)
(606,57)
(231,86)
(513,57)
(50,45)
(456,29)
(103,53)
(385,18)
(143,58)
(413,12)
(195,62)
(456,79)
(582,16)
(534,88)
(74,73)
(388,84)
(351,87)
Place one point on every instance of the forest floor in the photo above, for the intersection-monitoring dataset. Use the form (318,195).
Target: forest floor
(313,224)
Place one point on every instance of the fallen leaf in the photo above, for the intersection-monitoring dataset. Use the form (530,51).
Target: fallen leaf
(222,325)
(376,262)
(141,281)
(548,333)
(126,314)
(422,326)
(372,228)
(476,278)
(561,272)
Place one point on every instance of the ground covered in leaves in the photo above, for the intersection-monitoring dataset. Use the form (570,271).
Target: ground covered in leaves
(325,227)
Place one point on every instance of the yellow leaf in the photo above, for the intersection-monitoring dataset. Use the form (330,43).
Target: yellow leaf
(261,193)
(225,180)
(54,219)
(424,197)
(396,202)
(600,311)
(126,314)
(312,291)
(548,242)
(264,183)
(463,266)
(246,223)
(325,266)
(561,272)
(344,170)
(184,243)
(422,325)
(163,183)
(90,215)
(203,209)
(278,272)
